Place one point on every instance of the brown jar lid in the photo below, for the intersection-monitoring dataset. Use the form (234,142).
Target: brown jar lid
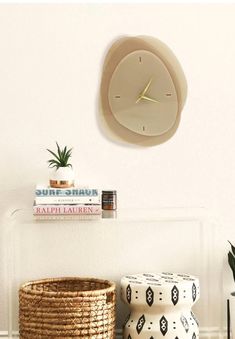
(109,192)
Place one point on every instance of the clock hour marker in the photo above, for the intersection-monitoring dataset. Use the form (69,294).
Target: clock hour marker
(117,96)
(140,59)
(143,128)
(168,94)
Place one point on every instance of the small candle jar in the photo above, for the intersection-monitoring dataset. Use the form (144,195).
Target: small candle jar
(109,200)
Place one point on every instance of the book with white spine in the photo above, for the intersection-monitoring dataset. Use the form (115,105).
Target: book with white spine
(77,209)
(45,195)
(58,200)
(79,191)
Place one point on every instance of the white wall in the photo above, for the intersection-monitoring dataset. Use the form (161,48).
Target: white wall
(50,68)
(51,59)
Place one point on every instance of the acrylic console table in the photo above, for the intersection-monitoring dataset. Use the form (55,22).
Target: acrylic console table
(134,241)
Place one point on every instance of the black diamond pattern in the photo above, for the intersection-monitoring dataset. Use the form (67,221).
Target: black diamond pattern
(149,296)
(194,318)
(140,324)
(163,325)
(194,292)
(129,337)
(128,294)
(127,319)
(194,336)
(174,295)
(184,322)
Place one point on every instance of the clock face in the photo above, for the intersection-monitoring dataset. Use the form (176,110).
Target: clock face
(142,95)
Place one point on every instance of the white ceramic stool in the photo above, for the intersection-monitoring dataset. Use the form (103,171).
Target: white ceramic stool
(160,306)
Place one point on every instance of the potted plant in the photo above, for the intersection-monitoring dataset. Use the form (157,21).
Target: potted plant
(231,261)
(62,175)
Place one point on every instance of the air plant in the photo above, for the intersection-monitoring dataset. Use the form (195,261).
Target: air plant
(61,158)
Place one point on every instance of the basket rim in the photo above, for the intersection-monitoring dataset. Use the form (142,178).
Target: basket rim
(111,286)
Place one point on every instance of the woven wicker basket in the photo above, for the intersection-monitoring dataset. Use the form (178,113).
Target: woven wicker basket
(67,308)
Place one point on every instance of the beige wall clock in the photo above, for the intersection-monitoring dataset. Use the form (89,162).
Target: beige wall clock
(143,90)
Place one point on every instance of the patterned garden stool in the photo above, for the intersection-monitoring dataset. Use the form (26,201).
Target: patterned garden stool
(160,306)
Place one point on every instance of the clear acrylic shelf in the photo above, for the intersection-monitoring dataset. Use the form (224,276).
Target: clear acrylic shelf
(128,241)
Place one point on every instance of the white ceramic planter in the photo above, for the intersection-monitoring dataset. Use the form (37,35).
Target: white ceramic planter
(160,306)
(63,177)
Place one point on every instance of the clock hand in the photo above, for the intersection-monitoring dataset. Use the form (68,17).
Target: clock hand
(149,99)
(144,90)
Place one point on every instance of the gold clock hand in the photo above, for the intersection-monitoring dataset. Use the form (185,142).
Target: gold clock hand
(149,99)
(144,90)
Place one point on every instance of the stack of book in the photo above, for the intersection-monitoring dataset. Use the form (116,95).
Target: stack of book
(67,202)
